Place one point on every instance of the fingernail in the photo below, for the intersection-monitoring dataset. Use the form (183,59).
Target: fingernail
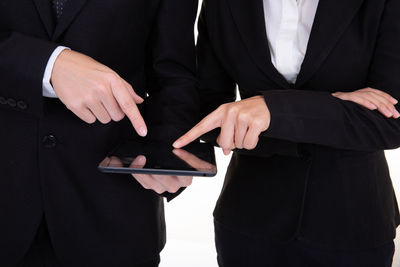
(177,144)
(395,101)
(177,152)
(372,106)
(142,131)
(396,114)
(388,113)
(140,160)
(227,151)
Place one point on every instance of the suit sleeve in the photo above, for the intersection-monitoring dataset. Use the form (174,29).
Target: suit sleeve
(172,107)
(23,60)
(319,118)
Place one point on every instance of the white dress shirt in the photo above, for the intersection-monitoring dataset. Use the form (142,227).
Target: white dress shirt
(288,24)
(48,90)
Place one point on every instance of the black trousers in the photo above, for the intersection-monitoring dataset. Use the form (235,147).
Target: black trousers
(239,250)
(41,253)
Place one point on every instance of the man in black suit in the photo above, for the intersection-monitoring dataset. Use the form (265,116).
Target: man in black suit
(316,190)
(71,71)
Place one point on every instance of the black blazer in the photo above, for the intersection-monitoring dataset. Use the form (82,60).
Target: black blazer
(49,157)
(319,172)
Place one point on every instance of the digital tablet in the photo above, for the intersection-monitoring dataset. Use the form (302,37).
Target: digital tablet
(156,158)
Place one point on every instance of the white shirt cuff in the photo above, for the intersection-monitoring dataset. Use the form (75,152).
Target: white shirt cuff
(48,90)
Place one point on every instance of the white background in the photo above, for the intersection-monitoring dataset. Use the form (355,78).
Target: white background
(190,232)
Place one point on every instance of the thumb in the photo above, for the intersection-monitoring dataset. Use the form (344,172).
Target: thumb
(139,162)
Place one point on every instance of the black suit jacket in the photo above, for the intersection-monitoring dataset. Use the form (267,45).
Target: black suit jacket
(49,157)
(319,172)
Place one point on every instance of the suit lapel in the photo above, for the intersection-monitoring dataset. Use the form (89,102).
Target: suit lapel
(71,10)
(331,20)
(249,18)
(45,12)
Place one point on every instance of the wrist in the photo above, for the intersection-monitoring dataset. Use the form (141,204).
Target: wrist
(58,62)
(48,90)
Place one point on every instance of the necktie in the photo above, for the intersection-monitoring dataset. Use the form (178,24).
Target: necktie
(58,6)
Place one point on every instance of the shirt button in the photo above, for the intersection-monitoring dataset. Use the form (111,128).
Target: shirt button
(11,102)
(3,101)
(49,141)
(22,105)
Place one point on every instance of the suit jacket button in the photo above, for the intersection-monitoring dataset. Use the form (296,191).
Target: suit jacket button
(11,102)
(22,105)
(49,141)
(3,101)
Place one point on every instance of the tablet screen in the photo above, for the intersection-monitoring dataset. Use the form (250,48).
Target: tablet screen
(197,159)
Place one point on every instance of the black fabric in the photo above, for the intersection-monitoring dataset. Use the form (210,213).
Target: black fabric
(240,250)
(42,254)
(49,157)
(319,172)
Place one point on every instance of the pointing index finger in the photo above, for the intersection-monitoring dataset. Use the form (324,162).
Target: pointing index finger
(129,107)
(209,123)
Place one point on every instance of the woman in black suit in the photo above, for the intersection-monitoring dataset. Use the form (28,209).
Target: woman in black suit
(308,184)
